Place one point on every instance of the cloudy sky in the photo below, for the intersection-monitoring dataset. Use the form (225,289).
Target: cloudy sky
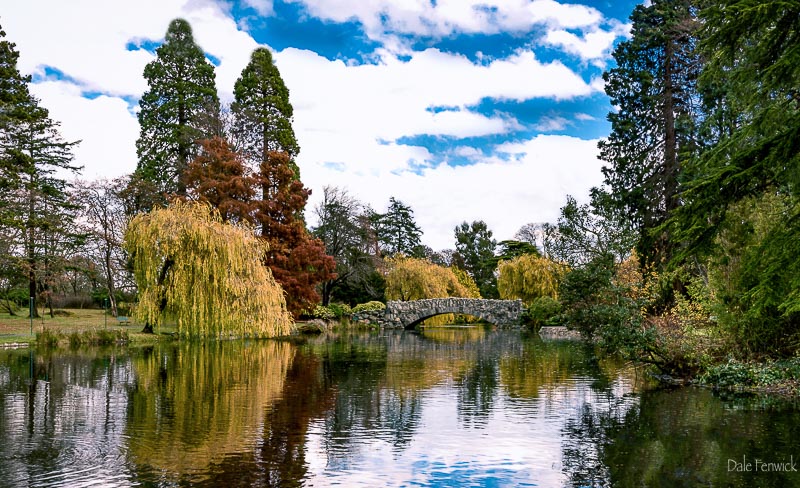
(463,109)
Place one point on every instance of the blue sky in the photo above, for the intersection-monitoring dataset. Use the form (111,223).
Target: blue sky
(463,109)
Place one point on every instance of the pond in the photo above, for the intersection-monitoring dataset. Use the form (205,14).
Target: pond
(442,407)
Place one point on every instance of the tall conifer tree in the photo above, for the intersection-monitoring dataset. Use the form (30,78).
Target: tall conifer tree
(475,248)
(176,112)
(262,113)
(35,207)
(652,134)
(398,232)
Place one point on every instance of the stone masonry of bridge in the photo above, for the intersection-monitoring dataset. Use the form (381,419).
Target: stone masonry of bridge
(406,315)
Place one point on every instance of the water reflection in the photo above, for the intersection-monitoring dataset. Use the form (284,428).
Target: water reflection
(444,407)
(61,413)
(685,437)
(194,403)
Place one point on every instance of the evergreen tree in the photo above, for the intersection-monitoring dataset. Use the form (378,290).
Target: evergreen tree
(16,107)
(397,231)
(178,110)
(262,114)
(751,81)
(220,177)
(653,133)
(298,261)
(475,248)
(742,211)
(35,207)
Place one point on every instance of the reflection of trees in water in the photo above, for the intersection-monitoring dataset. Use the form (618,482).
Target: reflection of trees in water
(680,437)
(477,389)
(60,413)
(279,458)
(585,436)
(542,369)
(369,399)
(195,403)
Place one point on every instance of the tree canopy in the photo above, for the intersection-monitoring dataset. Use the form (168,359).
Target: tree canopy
(262,112)
(409,278)
(475,254)
(180,107)
(36,209)
(398,232)
(529,277)
(207,275)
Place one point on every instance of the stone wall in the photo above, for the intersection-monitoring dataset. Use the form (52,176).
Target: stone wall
(558,332)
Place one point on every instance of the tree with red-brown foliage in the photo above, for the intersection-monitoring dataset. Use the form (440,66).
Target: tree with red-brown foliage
(220,177)
(298,261)
(273,199)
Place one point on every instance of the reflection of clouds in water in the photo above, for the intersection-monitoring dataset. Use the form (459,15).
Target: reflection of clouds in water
(65,426)
(514,439)
(386,409)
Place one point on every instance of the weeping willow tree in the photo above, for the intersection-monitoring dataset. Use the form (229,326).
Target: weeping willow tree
(528,277)
(205,274)
(417,279)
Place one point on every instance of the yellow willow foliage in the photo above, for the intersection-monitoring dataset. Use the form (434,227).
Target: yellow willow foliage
(529,277)
(467,282)
(206,401)
(416,279)
(209,272)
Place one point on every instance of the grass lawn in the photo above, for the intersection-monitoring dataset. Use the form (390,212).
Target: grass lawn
(17,329)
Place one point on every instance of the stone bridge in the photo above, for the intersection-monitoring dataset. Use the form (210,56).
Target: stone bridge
(407,315)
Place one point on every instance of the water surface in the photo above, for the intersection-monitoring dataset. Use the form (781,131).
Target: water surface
(445,407)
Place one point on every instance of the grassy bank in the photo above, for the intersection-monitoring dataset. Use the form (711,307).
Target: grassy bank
(87,325)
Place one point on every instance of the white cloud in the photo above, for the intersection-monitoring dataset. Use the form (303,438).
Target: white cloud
(263,7)
(531,188)
(446,17)
(468,152)
(104,125)
(550,123)
(384,20)
(95,56)
(592,45)
(344,110)
(348,119)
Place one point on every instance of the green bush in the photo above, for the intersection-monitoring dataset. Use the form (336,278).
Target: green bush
(366,307)
(48,338)
(544,311)
(340,310)
(322,312)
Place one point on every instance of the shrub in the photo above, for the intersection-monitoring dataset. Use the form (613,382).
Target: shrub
(366,307)
(340,310)
(322,312)
(48,338)
(102,337)
(544,311)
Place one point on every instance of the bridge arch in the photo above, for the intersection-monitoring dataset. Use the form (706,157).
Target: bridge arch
(407,315)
